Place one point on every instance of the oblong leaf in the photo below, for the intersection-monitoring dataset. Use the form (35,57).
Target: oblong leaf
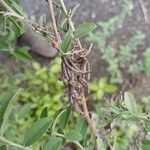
(54,144)
(74,136)
(65,117)
(66,43)
(5,110)
(44,112)
(23,111)
(129,101)
(36,130)
(74,10)
(84,29)
(3,147)
(81,127)
(22,55)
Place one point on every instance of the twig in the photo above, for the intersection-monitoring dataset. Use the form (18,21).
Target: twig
(89,120)
(78,144)
(69,20)
(144,10)
(9,9)
(11,13)
(2,139)
(50,3)
(76,78)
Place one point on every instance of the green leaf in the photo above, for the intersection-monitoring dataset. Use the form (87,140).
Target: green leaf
(110,88)
(36,130)
(17,8)
(129,102)
(74,10)
(54,144)
(24,48)
(126,114)
(66,43)
(84,29)
(81,127)
(56,118)
(64,118)
(100,144)
(74,136)
(146,145)
(4,104)
(3,147)
(22,55)
(44,113)
(5,109)
(115,110)
(23,111)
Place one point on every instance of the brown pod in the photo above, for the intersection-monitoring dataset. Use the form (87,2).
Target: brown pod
(37,44)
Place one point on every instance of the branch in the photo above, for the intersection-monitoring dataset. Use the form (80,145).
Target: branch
(144,10)
(2,139)
(69,20)
(50,3)
(11,13)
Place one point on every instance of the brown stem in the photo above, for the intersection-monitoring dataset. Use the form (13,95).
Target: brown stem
(91,122)
(69,20)
(50,3)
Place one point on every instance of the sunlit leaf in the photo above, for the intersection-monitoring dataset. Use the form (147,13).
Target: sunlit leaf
(17,7)
(66,43)
(74,136)
(126,114)
(44,113)
(3,147)
(65,117)
(36,130)
(54,143)
(129,102)
(22,55)
(84,29)
(23,111)
(115,110)
(146,145)
(74,10)
(81,127)
(6,106)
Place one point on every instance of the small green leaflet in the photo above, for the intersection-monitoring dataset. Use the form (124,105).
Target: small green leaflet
(36,130)
(44,113)
(100,144)
(22,55)
(6,109)
(54,143)
(129,102)
(74,136)
(115,110)
(23,111)
(74,10)
(126,114)
(3,147)
(84,29)
(146,145)
(64,118)
(81,127)
(66,43)
(17,8)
